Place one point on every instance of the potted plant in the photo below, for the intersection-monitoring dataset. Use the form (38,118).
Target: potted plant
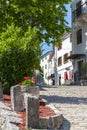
(28,86)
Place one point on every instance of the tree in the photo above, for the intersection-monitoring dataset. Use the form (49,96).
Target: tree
(17,57)
(46,15)
(24,25)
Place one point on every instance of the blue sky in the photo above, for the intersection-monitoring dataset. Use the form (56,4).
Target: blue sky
(68,17)
(47,48)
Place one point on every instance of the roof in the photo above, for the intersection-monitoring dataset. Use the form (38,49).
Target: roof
(47,53)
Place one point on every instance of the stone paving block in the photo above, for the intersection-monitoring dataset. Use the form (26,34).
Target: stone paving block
(72,102)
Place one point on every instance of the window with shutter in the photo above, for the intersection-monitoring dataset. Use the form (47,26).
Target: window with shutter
(66,58)
(79,36)
(59,61)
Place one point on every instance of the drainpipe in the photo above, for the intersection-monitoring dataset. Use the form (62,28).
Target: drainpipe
(55,67)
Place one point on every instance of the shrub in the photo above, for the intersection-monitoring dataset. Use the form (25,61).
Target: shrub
(19,55)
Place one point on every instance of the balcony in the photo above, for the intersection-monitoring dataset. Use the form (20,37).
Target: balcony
(79,15)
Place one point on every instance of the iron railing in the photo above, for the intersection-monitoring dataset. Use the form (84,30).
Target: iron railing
(79,11)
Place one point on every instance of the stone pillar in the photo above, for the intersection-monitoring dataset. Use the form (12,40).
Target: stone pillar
(1,92)
(17,98)
(34,90)
(32,112)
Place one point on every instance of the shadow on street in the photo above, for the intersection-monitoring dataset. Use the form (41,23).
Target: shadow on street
(61,99)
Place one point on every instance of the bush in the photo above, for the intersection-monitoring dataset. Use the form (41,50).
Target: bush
(19,55)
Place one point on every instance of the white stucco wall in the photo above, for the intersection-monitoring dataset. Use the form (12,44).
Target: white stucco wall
(76,25)
(66,48)
(50,66)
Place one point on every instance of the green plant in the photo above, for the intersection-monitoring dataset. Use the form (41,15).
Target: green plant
(17,57)
(27,82)
(48,17)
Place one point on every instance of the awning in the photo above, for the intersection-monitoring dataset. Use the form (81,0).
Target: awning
(76,56)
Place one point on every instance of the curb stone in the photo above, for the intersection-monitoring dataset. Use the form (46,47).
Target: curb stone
(52,122)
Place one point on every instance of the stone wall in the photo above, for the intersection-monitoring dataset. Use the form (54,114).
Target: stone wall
(9,119)
(52,122)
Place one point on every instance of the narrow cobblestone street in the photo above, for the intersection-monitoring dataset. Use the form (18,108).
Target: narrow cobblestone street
(72,102)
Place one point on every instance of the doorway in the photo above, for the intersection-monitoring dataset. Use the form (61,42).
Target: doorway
(80,70)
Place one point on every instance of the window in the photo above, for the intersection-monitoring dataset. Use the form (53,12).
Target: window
(46,58)
(70,55)
(45,66)
(45,75)
(78,8)
(79,36)
(59,61)
(70,37)
(65,58)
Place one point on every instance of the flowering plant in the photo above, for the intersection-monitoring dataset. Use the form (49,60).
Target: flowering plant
(27,82)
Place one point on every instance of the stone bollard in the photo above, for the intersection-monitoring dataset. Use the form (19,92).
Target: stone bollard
(31,90)
(32,112)
(1,92)
(17,98)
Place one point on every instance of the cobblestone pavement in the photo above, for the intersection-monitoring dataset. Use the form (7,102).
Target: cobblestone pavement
(72,102)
